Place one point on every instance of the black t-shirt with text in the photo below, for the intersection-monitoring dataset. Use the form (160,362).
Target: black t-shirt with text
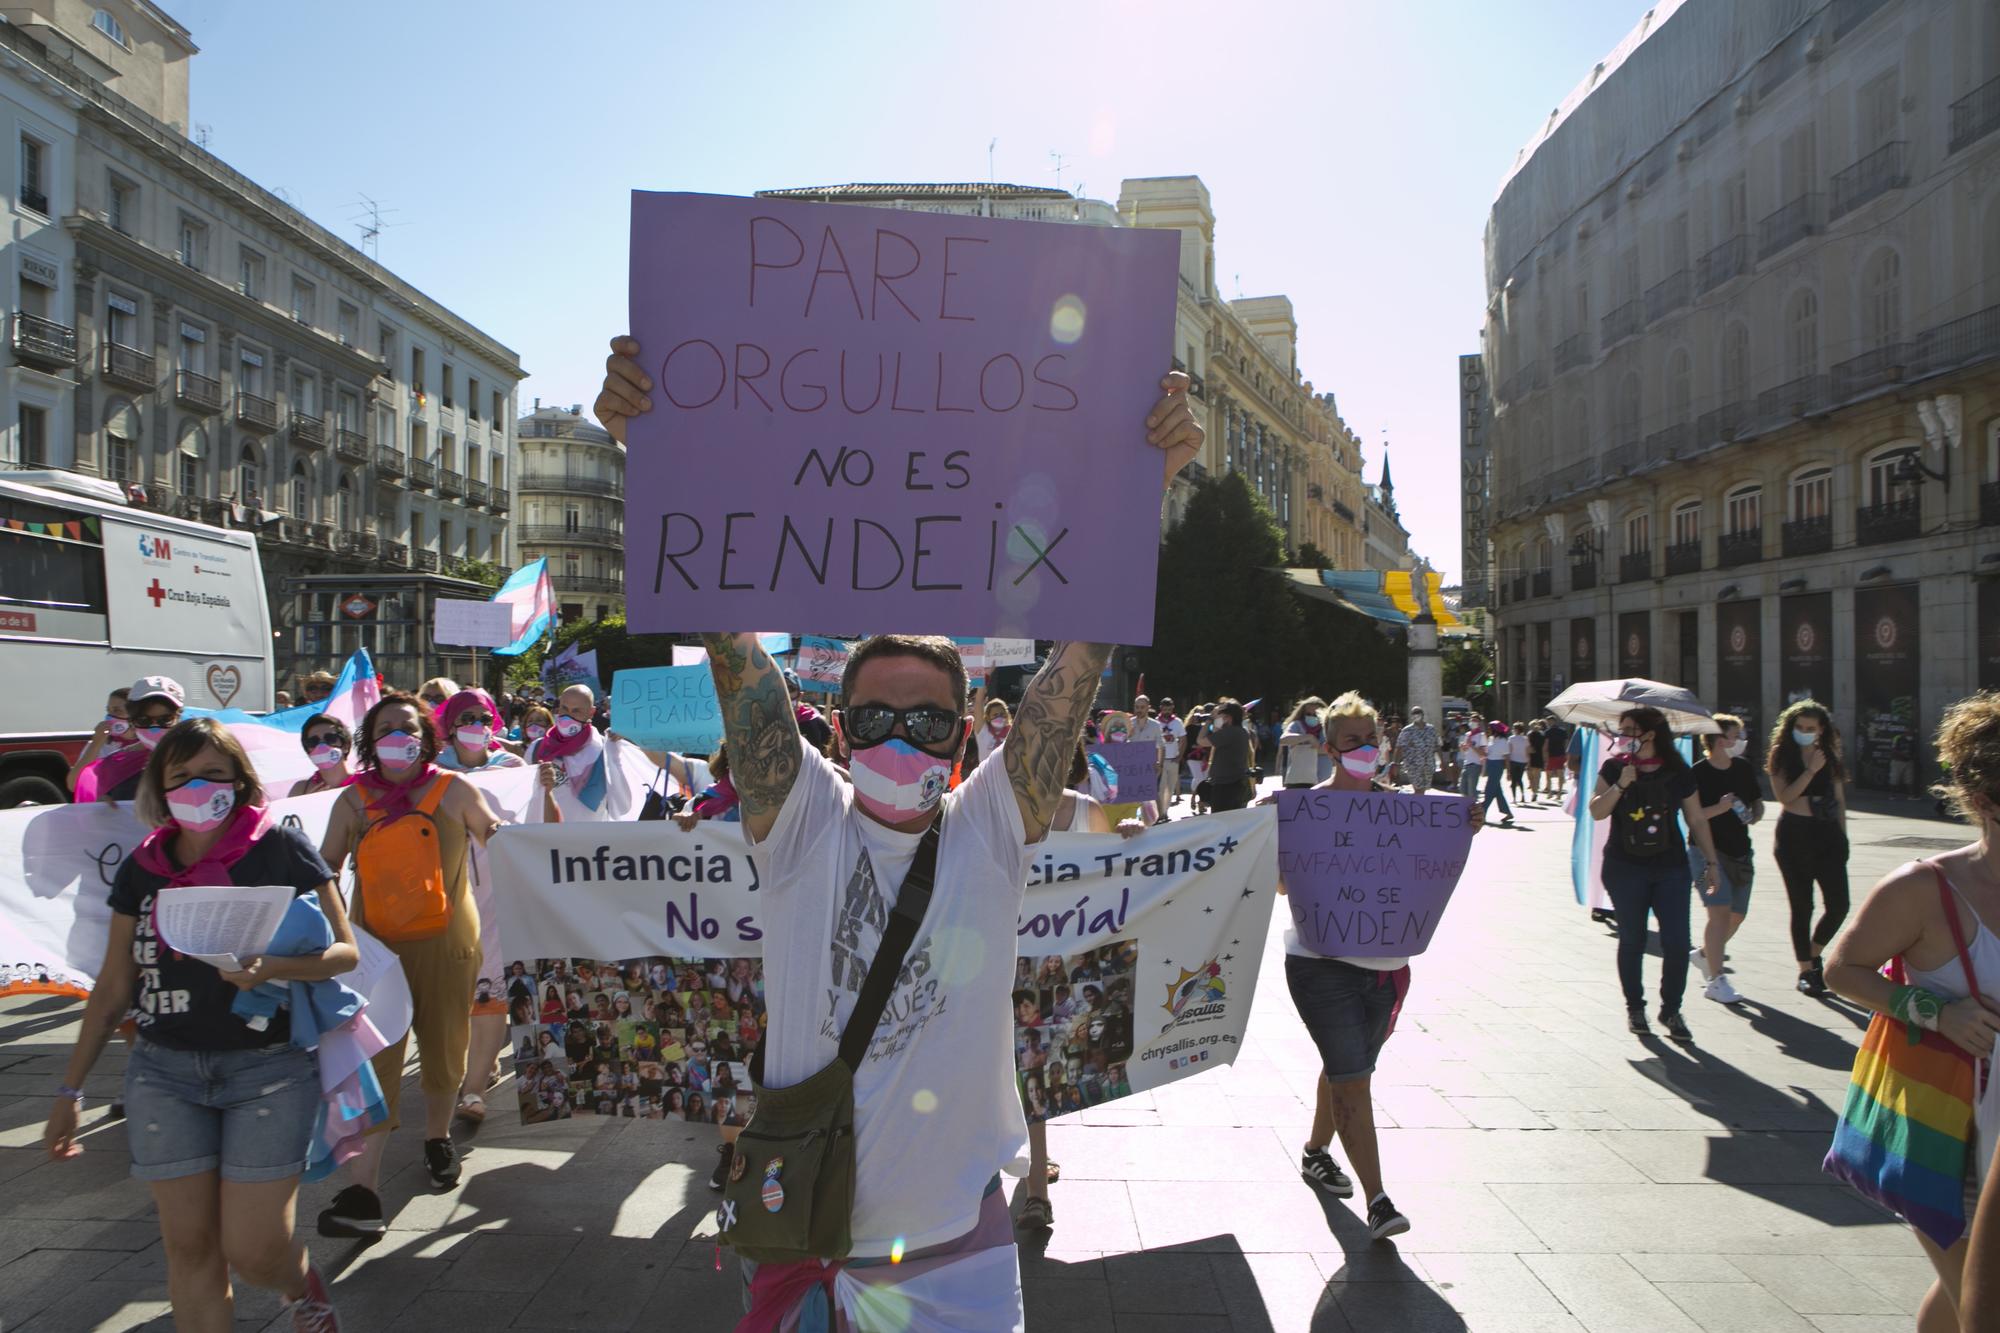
(183,1003)
(1649,806)
(1714,784)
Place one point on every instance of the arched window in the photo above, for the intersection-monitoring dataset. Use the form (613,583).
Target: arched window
(106,23)
(248,492)
(1680,386)
(1687,523)
(1879,484)
(343,506)
(1639,532)
(301,491)
(1542,552)
(1743,509)
(1735,361)
(1882,299)
(1802,335)
(1809,494)
(188,461)
(1625,410)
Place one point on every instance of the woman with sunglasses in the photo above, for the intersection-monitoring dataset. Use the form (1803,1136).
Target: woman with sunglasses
(152,706)
(327,742)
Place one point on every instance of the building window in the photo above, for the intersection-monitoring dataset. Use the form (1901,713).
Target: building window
(121,428)
(1743,509)
(349,326)
(1625,411)
(34,175)
(472,398)
(572,519)
(301,492)
(444,538)
(121,320)
(385,347)
(1802,336)
(498,472)
(105,23)
(417,370)
(1638,533)
(499,407)
(250,273)
(246,476)
(250,372)
(447,451)
(1735,361)
(349,410)
(1687,523)
(302,396)
(32,442)
(447,385)
(303,299)
(1879,484)
(343,506)
(124,209)
(193,349)
(194,243)
(187,466)
(1680,386)
(1882,298)
(1810,495)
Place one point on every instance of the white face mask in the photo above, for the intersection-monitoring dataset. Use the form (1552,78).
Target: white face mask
(1738,746)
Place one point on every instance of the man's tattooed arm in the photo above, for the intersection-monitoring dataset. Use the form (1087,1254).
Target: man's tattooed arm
(1042,743)
(758,725)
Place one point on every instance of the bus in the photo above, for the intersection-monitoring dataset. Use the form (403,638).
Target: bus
(95,593)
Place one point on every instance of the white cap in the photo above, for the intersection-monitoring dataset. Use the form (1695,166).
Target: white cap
(157,687)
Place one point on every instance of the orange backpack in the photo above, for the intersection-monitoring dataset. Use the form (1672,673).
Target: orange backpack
(400,870)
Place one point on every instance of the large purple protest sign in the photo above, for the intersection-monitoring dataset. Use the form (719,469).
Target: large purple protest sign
(1367,874)
(1137,764)
(910,421)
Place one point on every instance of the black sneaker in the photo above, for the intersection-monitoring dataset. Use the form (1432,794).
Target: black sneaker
(441,1159)
(1385,1219)
(1635,1020)
(1812,981)
(725,1154)
(1318,1166)
(355,1213)
(116,1111)
(1676,1026)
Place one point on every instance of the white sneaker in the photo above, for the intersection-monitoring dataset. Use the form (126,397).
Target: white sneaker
(1721,992)
(1698,960)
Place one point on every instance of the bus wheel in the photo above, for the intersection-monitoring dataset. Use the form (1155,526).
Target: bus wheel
(30,789)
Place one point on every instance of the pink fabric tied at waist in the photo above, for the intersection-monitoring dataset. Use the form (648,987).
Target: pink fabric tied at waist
(778,1291)
(1400,979)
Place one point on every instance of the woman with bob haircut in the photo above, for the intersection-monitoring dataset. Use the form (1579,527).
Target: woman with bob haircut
(221,1112)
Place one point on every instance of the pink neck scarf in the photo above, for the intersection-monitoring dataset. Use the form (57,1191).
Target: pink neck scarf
(555,745)
(392,800)
(105,772)
(245,827)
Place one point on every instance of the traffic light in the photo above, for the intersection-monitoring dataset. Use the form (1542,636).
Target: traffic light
(1486,682)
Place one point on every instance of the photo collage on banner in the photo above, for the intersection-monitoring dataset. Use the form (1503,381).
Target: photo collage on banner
(647,1038)
(1073,1027)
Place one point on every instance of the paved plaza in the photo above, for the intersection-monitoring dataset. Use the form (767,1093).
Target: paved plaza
(1560,1174)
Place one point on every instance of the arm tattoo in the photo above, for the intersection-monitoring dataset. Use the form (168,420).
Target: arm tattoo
(1042,743)
(758,724)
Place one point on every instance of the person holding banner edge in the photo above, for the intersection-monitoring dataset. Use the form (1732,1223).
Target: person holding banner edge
(942,1243)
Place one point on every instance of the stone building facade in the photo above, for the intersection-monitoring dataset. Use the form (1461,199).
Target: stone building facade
(572,495)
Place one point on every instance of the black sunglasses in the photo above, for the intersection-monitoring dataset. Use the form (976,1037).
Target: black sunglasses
(332,738)
(871,724)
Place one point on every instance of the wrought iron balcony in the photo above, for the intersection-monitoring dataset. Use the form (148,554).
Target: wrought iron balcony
(1974,337)
(500,501)
(389,462)
(1582,575)
(1666,296)
(396,553)
(41,342)
(1720,425)
(197,391)
(1989,504)
(543,533)
(1684,558)
(1745,546)
(1871,370)
(1891,521)
(423,473)
(1572,352)
(1874,175)
(1850,14)
(1543,583)
(450,482)
(424,562)
(127,366)
(256,412)
(1788,225)
(351,446)
(476,492)
(1670,442)
(1521,383)
(1722,263)
(307,432)
(365,543)
(572,482)
(1635,566)
(1975,115)
(38,200)
(1807,536)
(586,583)
(1518,588)
(1793,398)
(1622,323)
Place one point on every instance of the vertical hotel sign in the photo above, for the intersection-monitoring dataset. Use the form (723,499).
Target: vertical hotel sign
(1475,473)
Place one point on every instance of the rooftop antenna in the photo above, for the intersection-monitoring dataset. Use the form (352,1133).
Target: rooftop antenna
(201,133)
(991,144)
(370,223)
(1058,157)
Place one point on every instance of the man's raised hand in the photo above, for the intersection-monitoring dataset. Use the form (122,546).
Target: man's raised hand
(626,388)
(1170,426)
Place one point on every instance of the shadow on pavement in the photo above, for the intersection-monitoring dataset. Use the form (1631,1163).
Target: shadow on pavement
(1802,1040)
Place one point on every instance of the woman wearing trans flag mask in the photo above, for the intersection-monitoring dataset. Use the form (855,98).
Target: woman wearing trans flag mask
(221,1111)
(328,743)
(152,705)
(111,735)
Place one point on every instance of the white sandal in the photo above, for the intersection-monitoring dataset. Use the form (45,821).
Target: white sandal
(472,1107)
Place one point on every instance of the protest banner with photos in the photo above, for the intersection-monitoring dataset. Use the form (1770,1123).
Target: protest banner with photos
(471,624)
(821,663)
(1136,963)
(1137,764)
(913,422)
(1368,873)
(669,707)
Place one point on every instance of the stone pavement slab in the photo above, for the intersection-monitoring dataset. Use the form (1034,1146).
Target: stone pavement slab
(1560,1174)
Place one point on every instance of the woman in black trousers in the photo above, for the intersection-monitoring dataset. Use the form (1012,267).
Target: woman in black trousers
(1809,784)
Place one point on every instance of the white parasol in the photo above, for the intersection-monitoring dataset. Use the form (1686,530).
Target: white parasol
(1592,703)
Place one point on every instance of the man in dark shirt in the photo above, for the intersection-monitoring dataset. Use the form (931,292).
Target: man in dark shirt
(1229,763)
(1731,799)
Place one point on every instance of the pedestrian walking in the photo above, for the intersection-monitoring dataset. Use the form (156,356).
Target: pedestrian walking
(1517,761)
(1538,749)
(1555,746)
(1731,801)
(1173,740)
(1809,783)
(1416,753)
(1642,785)
(1471,756)
(1497,746)
(1302,758)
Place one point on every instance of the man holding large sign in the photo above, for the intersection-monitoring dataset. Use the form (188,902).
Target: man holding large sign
(929,1093)
(895,420)
(1366,873)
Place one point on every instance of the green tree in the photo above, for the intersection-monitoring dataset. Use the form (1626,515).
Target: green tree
(615,646)
(1310,556)
(1465,666)
(475,571)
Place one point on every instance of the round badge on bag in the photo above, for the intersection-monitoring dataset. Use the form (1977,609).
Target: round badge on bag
(738,1167)
(773,1194)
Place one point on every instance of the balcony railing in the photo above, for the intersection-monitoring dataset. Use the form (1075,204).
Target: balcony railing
(500,501)
(1808,536)
(1745,546)
(586,583)
(1582,575)
(1719,425)
(197,391)
(38,200)
(1850,14)
(1572,352)
(1787,226)
(1970,338)
(450,482)
(1870,370)
(1670,442)
(1874,175)
(1975,115)
(1666,296)
(1521,383)
(1543,582)
(396,553)
(389,462)
(351,446)
(1622,323)
(41,343)
(307,432)
(1722,263)
(1989,504)
(572,482)
(541,533)
(1635,566)
(128,366)
(255,412)
(1891,521)
(1684,558)
(423,473)
(1517,588)
(476,492)
(424,562)
(1793,398)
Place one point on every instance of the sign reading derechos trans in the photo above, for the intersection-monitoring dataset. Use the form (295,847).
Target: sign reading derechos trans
(908,421)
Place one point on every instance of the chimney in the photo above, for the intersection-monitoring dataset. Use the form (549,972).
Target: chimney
(538,404)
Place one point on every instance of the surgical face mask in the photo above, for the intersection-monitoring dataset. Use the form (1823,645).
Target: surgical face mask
(1738,746)
(998,726)
(568,726)
(398,749)
(1310,722)
(1805,740)
(326,756)
(199,805)
(119,726)
(474,738)
(1360,761)
(895,781)
(536,731)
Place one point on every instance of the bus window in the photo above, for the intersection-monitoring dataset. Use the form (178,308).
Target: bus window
(51,573)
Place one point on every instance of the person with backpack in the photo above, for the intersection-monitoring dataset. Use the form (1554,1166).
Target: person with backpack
(406,823)
(1642,788)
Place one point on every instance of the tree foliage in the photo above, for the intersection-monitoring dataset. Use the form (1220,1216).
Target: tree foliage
(615,646)
(475,571)
(1465,665)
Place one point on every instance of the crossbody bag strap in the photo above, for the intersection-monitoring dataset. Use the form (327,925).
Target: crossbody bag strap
(913,900)
(1949,897)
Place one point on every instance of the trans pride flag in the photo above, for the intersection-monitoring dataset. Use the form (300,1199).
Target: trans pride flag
(527,590)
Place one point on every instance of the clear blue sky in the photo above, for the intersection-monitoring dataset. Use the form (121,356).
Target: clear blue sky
(1352,148)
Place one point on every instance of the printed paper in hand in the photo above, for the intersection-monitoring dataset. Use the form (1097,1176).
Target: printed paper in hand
(222,924)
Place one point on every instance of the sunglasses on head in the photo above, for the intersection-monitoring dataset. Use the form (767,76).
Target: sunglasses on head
(871,724)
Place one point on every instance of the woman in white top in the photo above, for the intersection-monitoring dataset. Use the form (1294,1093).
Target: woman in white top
(1517,760)
(1904,917)
(1302,756)
(998,722)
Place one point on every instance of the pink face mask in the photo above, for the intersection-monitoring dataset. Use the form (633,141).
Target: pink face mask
(474,738)
(398,750)
(1360,761)
(200,805)
(568,726)
(895,781)
(326,756)
(119,727)
(150,736)
(536,732)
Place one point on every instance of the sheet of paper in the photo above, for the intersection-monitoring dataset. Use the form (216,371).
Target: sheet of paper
(222,924)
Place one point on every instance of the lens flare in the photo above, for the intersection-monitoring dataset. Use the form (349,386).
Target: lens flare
(896,1251)
(1066,323)
(924,1102)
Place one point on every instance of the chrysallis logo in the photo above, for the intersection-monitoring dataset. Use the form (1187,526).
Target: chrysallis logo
(1885,633)
(1202,987)
(155,548)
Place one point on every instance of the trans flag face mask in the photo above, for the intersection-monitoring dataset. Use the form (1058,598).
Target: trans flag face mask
(398,750)
(199,805)
(1360,761)
(896,782)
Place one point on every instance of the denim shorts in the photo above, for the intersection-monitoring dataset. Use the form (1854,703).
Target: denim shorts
(1733,880)
(1346,1009)
(248,1114)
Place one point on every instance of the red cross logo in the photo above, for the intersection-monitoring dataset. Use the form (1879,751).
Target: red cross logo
(157,593)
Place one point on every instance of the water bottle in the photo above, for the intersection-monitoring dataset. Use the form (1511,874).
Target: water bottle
(1742,811)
